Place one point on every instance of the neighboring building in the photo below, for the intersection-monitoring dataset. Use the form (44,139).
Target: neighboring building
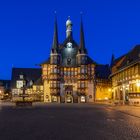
(5,87)
(68,75)
(103,83)
(126,77)
(31,79)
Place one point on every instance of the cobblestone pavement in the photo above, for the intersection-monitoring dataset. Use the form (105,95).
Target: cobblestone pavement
(131,110)
(67,122)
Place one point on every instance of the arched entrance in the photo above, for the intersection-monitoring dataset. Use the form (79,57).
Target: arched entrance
(69,94)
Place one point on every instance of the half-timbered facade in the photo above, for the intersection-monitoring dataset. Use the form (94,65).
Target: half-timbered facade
(68,75)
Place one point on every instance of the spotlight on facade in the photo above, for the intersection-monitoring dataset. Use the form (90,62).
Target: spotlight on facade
(109,89)
(138,83)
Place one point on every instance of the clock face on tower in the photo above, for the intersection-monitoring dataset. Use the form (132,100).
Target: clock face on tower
(68,61)
(69,45)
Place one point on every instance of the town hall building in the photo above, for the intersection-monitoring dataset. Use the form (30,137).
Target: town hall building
(68,75)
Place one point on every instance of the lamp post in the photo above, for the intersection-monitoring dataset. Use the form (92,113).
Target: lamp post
(24,95)
(94,84)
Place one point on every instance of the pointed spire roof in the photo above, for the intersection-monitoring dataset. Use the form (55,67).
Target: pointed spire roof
(112,60)
(82,38)
(55,37)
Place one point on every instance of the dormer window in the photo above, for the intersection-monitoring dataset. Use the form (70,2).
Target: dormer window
(21,77)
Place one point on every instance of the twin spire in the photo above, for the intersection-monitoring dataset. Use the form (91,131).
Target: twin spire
(55,45)
(55,38)
(82,48)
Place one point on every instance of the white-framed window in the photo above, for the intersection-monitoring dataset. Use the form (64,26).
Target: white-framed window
(82,70)
(82,85)
(55,70)
(19,84)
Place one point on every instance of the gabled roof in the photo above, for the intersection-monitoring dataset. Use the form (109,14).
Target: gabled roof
(131,57)
(30,74)
(46,61)
(69,39)
(102,71)
(90,61)
(118,59)
(39,82)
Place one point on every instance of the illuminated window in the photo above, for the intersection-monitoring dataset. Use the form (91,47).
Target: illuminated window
(19,84)
(82,85)
(37,87)
(55,70)
(82,70)
(68,73)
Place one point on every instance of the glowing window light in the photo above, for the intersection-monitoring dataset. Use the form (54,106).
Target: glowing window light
(138,84)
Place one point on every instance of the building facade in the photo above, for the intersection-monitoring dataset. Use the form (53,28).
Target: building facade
(29,78)
(126,77)
(68,75)
(103,83)
(5,89)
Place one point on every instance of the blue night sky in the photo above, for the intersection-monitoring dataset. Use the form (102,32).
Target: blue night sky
(26,29)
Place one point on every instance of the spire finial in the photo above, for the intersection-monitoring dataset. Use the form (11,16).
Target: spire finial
(55,15)
(81,14)
(55,12)
(69,27)
(82,38)
(55,36)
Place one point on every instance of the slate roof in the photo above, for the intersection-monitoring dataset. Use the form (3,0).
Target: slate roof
(131,57)
(69,39)
(30,74)
(46,61)
(102,71)
(90,60)
(39,82)
(118,59)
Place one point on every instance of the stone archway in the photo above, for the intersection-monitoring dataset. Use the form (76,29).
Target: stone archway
(68,94)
